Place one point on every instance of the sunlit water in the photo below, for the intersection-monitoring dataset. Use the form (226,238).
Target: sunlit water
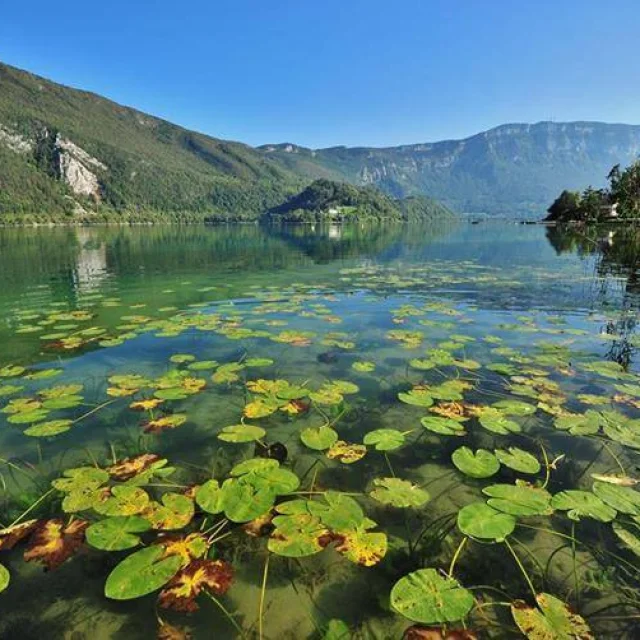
(508,312)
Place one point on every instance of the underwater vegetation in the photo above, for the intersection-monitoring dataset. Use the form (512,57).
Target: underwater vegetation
(365,455)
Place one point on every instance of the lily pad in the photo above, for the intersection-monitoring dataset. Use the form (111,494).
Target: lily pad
(481,464)
(479,520)
(398,493)
(141,573)
(319,438)
(515,407)
(241,433)
(117,533)
(123,501)
(497,422)
(518,460)
(417,398)
(5,578)
(49,429)
(582,504)
(426,596)
(443,426)
(629,534)
(552,620)
(346,453)
(519,499)
(622,499)
(385,439)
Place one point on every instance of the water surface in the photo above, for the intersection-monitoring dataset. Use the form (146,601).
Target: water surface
(506,312)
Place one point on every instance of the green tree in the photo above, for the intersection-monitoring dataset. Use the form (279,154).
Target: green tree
(565,207)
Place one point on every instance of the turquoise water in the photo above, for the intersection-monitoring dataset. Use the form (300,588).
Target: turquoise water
(354,319)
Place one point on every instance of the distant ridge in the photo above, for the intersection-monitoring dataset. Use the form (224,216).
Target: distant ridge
(69,153)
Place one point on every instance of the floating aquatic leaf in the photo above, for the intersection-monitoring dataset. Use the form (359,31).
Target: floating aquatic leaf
(200,575)
(48,429)
(552,620)
(141,573)
(9,390)
(629,533)
(346,453)
(10,536)
(80,478)
(623,481)
(417,397)
(398,493)
(327,396)
(319,438)
(117,533)
(171,421)
(481,464)
(298,535)
(518,460)
(385,439)
(339,512)
(364,366)
(5,578)
(582,504)
(622,429)
(520,499)
(11,371)
(123,501)
(146,405)
(514,408)
(175,512)
(622,499)
(580,424)
(209,497)
(337,630)
(495,421)
(422,364)
(130,467)
(175,393)
(427,597)
(52,542)
(443,426)
(479,520)
(361,546)
(241,433)
(182,358)
(260,408)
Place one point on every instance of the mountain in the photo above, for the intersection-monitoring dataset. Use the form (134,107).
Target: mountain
(327,200)
(515,170)
(70,154)
(65,152)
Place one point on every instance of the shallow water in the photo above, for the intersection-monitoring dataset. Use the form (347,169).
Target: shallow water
(506,312)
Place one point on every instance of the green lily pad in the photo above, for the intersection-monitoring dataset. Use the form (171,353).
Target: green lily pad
(123,501)
(514,407)
(28,417)
(629,534)
(338,511)
(209,497)
(49,429)
(117,533)
(622,499)
(426,596)
(622,429)
(80,478)
(417,398)
(497,422)
(443,426)
(141,573)
(384,439)
(297,535)
(582,504)
(518,460)
(241,433)
(398,493)
(519,499)
(552,620)
(319,438)
(422,364)
(481,464)
(586,424)
(182,358)
(364,366)
(479,520)
(5,578)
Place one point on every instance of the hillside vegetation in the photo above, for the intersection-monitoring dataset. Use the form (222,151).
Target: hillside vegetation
(141,164)
(327,200)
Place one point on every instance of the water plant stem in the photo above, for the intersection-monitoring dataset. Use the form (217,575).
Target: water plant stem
(521,566)
(456,555)
(265,575)
(229,617)
(32,507)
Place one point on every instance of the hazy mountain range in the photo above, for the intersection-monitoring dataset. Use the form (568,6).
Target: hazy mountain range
(69,152)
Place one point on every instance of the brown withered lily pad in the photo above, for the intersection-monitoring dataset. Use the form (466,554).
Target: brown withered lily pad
(182,590)
(131,467)
(10,536)
(191,547)
(170,632)
(52,543)
(261,526)
(346,453)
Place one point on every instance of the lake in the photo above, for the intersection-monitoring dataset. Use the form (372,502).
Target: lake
(327,432)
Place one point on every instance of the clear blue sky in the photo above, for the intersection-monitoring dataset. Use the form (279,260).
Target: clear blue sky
(329,72)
